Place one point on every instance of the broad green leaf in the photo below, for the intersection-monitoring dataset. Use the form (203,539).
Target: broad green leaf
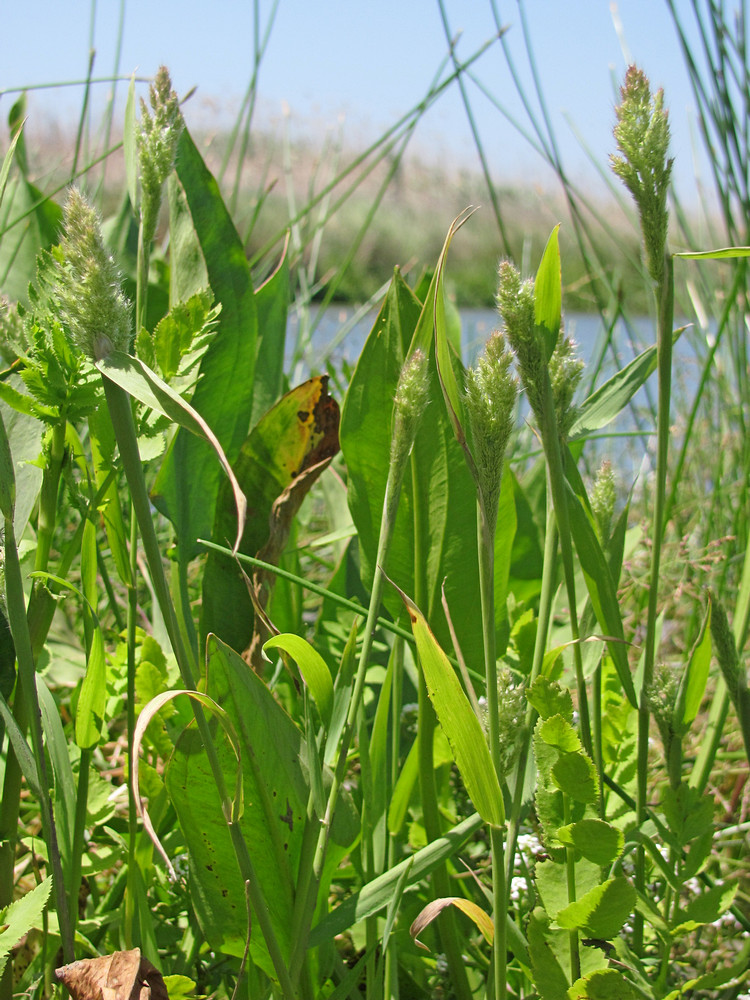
(602,911)
(272,304)
(689,813)
(458,721)
(204,244)
(575,775)
(22,916)
(293,438)
(603,984)
(273,822)
(185,323)
(557,732)
(549,699)
(696,674)
(180,987)
(551,880)
(313,668)
(139,381)
(596,840)
(548,294)
(480,917)
(437,482)
(723,253)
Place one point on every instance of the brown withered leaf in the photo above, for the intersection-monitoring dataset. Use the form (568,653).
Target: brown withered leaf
(123,975)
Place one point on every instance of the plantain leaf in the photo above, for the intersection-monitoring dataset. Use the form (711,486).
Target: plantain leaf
(273,823)
(207,250)
(439,544)
(293,438)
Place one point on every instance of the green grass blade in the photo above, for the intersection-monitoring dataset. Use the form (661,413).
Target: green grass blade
(548,293)
(376,895)
(606,402)
(458,721)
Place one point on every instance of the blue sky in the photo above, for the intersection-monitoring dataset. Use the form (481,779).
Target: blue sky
(367,61)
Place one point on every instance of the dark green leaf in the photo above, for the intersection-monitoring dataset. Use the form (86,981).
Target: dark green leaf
(206,243)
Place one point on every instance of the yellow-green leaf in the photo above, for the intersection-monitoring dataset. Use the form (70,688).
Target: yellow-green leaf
(458,721)
(312,666)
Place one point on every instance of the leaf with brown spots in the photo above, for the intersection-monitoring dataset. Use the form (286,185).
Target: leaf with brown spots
(277,466)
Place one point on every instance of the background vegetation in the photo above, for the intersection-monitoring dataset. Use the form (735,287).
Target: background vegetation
(529,739)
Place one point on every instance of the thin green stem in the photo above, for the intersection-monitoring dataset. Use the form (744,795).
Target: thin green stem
(549,583)
(132,618)
(486,543)
(557,485)
(665,294)
(308,896)
(570,873)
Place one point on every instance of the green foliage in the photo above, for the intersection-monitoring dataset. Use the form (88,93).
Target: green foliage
(314,800)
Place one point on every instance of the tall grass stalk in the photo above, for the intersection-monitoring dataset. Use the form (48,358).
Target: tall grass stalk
(486,540)
(411,398)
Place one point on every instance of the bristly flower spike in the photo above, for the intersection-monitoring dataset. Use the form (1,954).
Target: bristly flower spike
(642,136)
(491,391)
(515,302)
(86,286)
(410,401)
(157,135)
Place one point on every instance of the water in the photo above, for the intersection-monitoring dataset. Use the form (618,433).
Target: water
(341,331)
